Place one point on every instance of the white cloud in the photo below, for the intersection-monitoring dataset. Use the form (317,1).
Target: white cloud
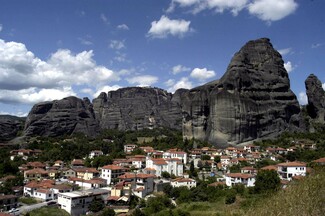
(104,19)
(87,91)
(121,57)
(285,51)
(106,89)
(116,44)
(19,113)
(202,74)
(28,79)
(267,10)
(272,10)
(34,95)
(165,27)
(170,82)
(123,27)
(184,82)
(316,45)
(289,67)
(323,85)
(303,98)
(180,68)
(142,80)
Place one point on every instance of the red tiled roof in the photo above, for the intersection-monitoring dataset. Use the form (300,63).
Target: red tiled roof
(320,160)
(36,171)
(215,184)
(270,167)
(239,175)
(113,167)
(292,164)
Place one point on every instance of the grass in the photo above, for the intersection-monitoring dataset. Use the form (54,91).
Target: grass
(305,197)
(28,200)
(48,211)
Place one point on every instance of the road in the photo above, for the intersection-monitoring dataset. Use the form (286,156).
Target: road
(27,208)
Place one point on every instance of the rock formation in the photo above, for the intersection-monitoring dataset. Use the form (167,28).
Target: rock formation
(10,126)
(316,98)
(67,116)
(135,108)
(252,100)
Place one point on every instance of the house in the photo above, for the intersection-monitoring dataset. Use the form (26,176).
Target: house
(288,170)
(183,182)
(225,161)
(142,184)
(173,153)
(24,153)
(58,164)
(95,153)
(8,202)
(86,173)
(77,163)
(248,169)
(247,180)
(320,161)
(35,174)
(128,148)
(111,172)
(77,202)
(173,166)
(88,184)
(53,174)
(68,173)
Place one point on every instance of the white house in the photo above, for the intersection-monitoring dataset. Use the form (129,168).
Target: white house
(77,202)
(128,148)
(89,184)
(288,170)
(95,153)
(225,161)
(171,165)
(186,182)
(247,180)
(176,154)
(142,184)
(111,172)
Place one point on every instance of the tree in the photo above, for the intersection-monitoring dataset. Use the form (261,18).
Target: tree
(267,181)
(230,197)
(217,159)
(165,174)
(205,157)
(107,212)
(96,205)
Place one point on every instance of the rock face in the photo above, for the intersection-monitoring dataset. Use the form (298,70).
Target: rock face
(252,100)
(67,116)
(9,127)
(316,98)
(135,108)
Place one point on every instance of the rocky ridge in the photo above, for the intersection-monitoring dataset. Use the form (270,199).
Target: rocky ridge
(10,126)
(252,100)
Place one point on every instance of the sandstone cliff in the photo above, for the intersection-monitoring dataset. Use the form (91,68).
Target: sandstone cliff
(316,98)
(252,100)
(135,108)
(67,116)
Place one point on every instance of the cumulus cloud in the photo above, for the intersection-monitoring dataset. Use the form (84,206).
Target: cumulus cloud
(284,51)
(179,68)
(202,74)
(106,89)
(142,80)
(24,78)
(267,10)
(303,98)
(116,44)
(272,10)
(34,95)
(169,82)
(165,27)
(323,85)
(123,27)
(288,66)
(184,82)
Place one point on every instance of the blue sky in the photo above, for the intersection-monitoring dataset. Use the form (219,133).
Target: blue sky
(56,48)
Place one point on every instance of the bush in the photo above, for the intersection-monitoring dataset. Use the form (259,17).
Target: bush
(230,198)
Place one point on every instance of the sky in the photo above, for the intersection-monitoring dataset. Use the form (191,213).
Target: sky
(57,48)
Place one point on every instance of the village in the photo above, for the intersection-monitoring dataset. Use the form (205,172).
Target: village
(73,186)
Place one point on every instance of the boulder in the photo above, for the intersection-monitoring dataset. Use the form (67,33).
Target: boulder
(316,98)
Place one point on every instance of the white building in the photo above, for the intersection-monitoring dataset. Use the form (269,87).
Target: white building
(77,202)
(176,154)
(142,184)
(158,165)
(225,161)
(111,172)
(186,182)
(288,170)
(95,153)
(247,180)
(128,148)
